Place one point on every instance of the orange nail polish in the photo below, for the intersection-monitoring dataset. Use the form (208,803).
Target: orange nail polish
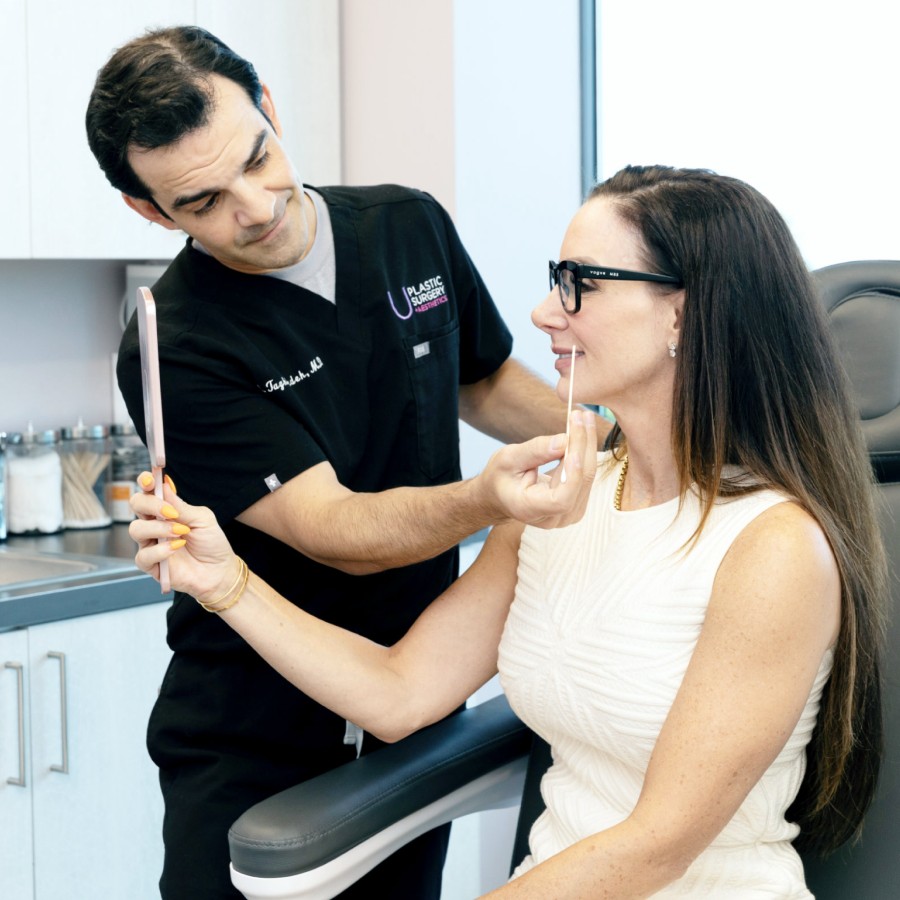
(170,483)
(178,528)
(176,545)
(145,480)
(169,511)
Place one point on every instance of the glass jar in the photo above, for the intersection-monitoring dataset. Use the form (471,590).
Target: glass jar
(85,454)
(129,459)
(34,483)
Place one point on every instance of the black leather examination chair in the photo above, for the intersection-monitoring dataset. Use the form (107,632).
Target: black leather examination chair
(863,303)
(313,840)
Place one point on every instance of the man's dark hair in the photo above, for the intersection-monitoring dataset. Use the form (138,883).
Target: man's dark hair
(154,91)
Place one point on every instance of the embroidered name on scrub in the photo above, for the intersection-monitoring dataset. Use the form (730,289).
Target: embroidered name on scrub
(280,384)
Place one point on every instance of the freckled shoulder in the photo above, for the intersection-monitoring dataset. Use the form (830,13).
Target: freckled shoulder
(780,570)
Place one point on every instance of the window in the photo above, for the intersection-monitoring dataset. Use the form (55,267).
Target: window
(800,99)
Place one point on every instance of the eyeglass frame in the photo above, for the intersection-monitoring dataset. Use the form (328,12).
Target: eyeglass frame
(597,273)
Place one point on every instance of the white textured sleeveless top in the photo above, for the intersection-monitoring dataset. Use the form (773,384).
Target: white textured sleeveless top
(605,619)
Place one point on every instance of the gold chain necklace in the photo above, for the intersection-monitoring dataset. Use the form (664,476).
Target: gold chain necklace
(620,485)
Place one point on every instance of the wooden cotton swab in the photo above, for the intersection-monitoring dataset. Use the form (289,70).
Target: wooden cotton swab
(562,477)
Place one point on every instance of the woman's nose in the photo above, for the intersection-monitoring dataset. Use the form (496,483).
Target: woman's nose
(549,315)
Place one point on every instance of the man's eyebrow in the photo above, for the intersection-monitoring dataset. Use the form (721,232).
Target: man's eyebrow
(200,195)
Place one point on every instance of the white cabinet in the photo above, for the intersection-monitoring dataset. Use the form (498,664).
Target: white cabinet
(57,202)
(75,213)
(15,772)
(91,802)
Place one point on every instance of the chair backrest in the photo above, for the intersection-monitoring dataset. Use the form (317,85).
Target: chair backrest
(863,303)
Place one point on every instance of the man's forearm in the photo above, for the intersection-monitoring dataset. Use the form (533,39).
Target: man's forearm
(362,533)
(401,526)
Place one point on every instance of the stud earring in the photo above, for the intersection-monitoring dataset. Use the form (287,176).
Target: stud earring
(672,346)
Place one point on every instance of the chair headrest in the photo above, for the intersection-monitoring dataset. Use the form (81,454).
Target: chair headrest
(863,304)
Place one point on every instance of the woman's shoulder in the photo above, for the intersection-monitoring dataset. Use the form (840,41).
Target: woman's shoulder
(784,523)
(783,557)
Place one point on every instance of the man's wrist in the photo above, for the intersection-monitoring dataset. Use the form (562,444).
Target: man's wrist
(485,500)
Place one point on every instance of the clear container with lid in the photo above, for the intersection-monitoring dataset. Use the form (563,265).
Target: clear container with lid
(85,456)
(34,483)
(129,459)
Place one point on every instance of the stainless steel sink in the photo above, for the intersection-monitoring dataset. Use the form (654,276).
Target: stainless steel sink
(20,568)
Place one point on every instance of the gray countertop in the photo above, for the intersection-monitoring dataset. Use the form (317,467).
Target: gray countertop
(115,584)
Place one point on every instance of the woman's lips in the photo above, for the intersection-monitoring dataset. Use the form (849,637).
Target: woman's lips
(564,358)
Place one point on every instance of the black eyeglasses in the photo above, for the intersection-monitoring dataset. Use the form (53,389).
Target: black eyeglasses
(568,275)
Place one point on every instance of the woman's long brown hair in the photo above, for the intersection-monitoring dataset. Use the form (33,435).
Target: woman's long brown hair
(759,385)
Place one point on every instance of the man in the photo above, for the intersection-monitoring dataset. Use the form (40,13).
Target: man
(317,347)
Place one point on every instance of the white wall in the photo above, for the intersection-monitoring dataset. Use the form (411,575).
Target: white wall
(397,76)
(516,96)
(58,328)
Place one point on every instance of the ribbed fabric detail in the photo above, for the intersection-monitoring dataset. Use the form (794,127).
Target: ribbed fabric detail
(606,617)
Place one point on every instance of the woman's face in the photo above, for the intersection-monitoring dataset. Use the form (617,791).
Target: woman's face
(623,330)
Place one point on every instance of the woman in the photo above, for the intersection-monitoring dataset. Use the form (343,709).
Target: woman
(711,623)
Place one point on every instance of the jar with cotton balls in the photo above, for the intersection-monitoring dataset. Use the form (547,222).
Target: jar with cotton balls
(85,456)
(34,482)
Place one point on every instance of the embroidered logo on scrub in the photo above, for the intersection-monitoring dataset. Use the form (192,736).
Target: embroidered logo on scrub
(279,384)
(419,298)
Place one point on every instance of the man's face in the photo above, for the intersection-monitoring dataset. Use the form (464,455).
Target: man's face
(229,185)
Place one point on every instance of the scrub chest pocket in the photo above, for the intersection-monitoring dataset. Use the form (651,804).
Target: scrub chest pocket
(433,360)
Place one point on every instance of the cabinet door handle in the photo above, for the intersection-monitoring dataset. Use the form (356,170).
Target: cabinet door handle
(63,712)
(20,678)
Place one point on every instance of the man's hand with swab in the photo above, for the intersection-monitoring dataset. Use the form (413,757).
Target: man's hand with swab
(514,485)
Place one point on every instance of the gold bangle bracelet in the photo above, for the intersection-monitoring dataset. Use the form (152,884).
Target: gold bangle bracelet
(239,584)
(234,584)
(236,597)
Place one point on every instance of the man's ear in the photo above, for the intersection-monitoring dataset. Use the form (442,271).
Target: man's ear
(150,212)
(268,107)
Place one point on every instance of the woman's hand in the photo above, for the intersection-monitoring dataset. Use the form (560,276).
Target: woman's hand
(201,561)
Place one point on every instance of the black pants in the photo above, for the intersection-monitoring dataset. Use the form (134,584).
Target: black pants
(201,807)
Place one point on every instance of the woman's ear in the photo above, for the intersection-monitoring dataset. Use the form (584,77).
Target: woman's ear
(677,300)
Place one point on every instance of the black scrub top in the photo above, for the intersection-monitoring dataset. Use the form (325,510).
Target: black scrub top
(262,379)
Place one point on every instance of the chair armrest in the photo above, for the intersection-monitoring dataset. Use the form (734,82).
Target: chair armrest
(318,837)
